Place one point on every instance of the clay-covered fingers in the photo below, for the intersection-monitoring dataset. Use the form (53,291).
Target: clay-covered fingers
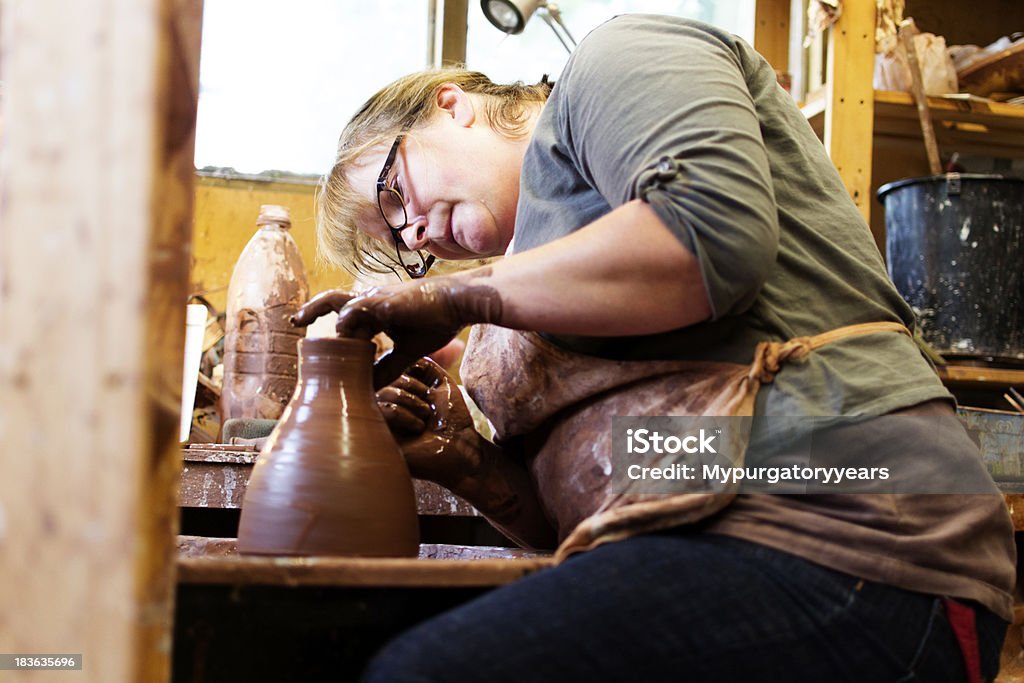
(419,406)
(361,317)
(425,397)
(406,406)
(450,412)
(389,367)
(427,372)
(419,317)
(409,383)
(400,419)
(332,300)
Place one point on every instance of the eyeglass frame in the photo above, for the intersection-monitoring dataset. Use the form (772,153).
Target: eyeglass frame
(396,232)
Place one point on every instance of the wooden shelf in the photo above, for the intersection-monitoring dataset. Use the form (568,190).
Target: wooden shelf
(961,106)
(981,377)
(965,123)
(968,125)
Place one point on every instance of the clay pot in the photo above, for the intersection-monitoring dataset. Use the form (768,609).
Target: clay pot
(331,479)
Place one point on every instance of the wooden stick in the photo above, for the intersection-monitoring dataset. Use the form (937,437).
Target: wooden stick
(907,32)
(1016,395)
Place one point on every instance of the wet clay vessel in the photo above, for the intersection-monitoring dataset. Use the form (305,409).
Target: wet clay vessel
(331,479)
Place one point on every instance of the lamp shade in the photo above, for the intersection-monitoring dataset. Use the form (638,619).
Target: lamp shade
(509,16)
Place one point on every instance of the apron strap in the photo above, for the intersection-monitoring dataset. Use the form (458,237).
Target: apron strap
(770,355)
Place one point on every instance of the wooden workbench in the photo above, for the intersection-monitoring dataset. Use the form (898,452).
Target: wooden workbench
(320,618)
(292,618)
(284,618)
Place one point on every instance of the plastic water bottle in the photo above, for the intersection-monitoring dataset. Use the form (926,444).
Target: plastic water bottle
(268,285)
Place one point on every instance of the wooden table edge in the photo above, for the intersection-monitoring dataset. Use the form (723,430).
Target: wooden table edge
(355,572)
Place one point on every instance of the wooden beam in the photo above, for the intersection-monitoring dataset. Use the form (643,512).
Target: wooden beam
(454,27)
(771,32)
(849,99)
(447,27)
(98,132)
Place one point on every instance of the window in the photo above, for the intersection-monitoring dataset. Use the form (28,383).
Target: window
(278,80)
(537,51)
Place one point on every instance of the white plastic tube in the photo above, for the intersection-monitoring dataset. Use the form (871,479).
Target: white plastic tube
(195,329)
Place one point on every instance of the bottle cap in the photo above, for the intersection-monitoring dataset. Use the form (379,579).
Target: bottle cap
(274,213)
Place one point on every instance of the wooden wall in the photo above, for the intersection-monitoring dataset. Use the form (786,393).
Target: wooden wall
(225,219)
(966,23)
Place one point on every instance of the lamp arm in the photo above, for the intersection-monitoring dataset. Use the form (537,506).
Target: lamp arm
(553,17)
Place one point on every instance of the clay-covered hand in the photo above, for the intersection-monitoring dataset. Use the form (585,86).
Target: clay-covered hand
(432,424)
(419,317)
(321,304)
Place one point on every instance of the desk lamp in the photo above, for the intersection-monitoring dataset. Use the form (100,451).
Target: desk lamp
(510,16)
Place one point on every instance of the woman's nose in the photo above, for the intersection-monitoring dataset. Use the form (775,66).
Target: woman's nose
(414,235)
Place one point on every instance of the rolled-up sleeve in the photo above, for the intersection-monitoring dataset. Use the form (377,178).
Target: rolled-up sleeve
(662,112)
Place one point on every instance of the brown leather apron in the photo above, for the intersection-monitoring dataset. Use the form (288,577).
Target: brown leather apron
(563,403)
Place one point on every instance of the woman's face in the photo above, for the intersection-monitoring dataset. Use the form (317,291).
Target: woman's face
(459,179)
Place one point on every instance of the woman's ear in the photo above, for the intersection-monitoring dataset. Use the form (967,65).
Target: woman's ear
(455,102)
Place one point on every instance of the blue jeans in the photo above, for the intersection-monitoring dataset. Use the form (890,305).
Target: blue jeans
(682,606)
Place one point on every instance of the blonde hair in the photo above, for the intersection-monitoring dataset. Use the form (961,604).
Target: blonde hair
(401,106)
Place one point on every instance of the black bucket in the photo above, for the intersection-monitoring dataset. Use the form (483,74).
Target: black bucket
(955,246)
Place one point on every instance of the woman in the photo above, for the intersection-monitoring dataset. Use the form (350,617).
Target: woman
(669,221)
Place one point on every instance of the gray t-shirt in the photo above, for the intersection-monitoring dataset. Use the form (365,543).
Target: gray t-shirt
(691,119)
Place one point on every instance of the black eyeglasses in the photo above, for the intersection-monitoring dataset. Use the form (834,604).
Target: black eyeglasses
(392,207)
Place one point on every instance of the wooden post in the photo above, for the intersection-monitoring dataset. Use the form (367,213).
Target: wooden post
(850,101)
(454,26)
(98,116)
(771,32)
(447,26)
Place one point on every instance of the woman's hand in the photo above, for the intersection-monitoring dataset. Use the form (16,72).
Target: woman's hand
(419,317)
(432,424)
(331,300)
